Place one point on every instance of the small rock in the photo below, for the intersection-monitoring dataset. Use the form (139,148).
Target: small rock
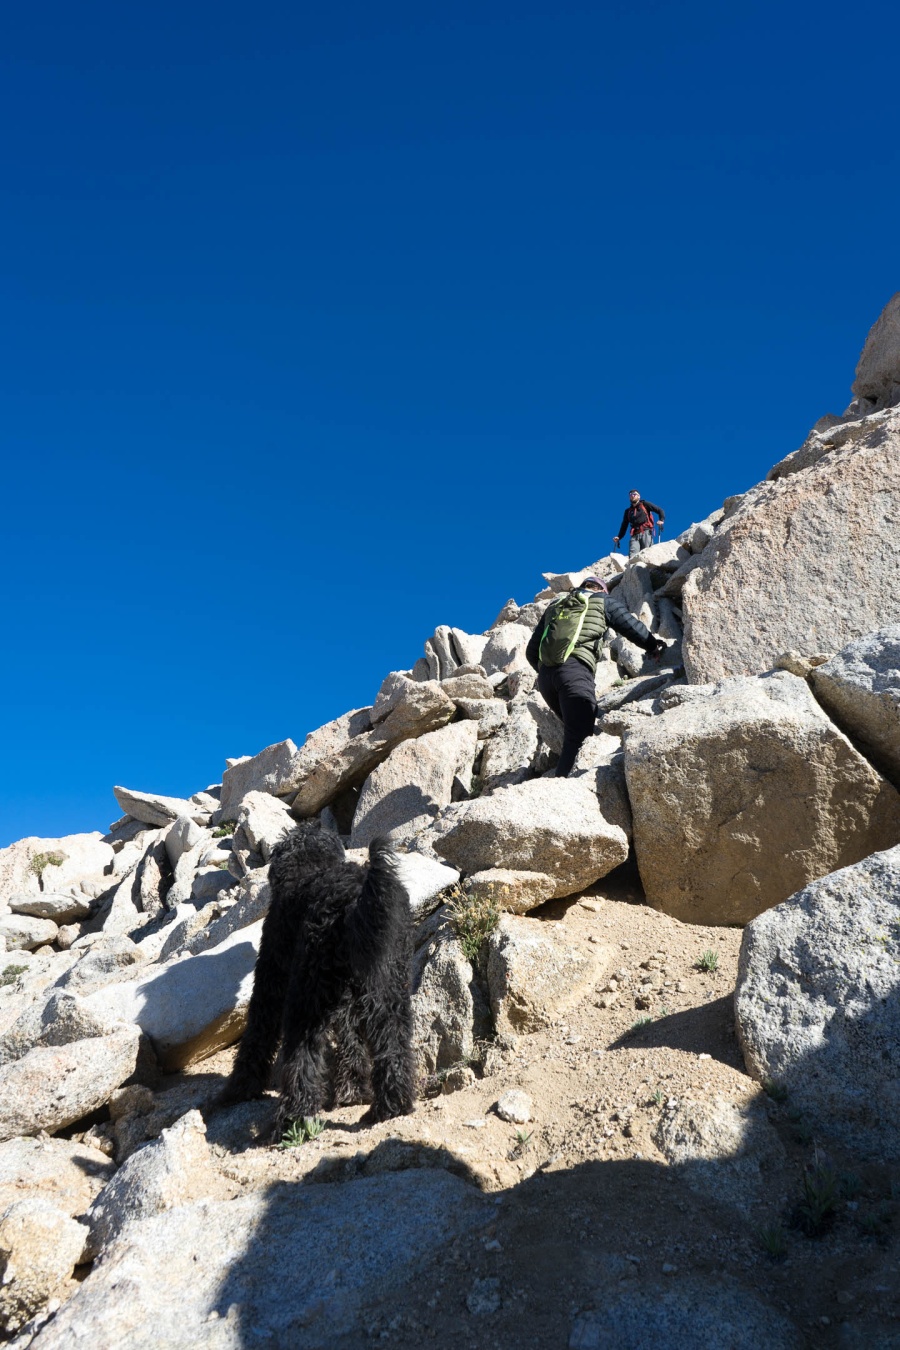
(516,1107)
(484,1298)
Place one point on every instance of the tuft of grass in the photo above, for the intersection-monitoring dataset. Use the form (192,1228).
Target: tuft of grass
(11,974)
(473,918)
(777,1091)
(851,1185)
(41,861)
(641,1022)
(297,1133)
(709,961)
(523,1138)
(816,1209)
(773,1241)
(658,1097)
(227,827)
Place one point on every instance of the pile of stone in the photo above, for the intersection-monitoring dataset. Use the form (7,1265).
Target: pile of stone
(752,776)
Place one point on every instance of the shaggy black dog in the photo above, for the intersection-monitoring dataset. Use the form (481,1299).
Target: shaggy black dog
(331,983)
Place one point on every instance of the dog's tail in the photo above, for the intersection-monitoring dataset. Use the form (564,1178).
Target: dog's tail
(379,918)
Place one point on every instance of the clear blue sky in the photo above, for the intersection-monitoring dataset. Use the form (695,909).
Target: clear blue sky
(326,324)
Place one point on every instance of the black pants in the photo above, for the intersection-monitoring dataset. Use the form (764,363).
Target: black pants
(569,690)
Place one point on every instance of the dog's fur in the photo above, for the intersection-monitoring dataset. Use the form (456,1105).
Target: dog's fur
(333,973)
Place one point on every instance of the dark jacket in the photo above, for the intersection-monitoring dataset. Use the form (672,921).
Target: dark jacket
(634,517)
(604,611)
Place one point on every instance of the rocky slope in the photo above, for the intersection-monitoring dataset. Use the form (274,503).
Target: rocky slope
(594,1160)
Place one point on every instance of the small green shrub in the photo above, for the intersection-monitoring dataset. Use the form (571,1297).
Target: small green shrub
(642,1021)
(523,1138)
(658,1097)
(773,1241)
(227,827)
(473,918)
(11,974)
(816,1209)
(777,1091)
(709,961)
(297,1133)
(41,861)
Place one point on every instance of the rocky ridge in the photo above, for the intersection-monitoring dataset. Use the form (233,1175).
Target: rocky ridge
(746,780)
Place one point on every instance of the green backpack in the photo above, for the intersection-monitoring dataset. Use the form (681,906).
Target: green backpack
(563,623)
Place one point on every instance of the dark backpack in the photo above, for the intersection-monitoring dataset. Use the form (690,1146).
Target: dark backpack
(563,623)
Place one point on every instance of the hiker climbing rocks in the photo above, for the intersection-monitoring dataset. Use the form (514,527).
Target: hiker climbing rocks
(564,648)
(638,518)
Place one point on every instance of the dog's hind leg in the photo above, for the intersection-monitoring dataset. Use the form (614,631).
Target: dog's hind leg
(308,1014)
(352,1065)
(389,1036)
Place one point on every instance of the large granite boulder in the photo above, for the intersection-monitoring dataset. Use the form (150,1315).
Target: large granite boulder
(860,688)
(444,997)
(405,792)
(806,561)
(39,1249)
(54,1085)
(189,1007)
(744,793)
(549,825)
(170,1171)
(32,865)
(817,1005)
(65,1174)
(320,778)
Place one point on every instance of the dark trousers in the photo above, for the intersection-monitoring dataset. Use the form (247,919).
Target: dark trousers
(569,690)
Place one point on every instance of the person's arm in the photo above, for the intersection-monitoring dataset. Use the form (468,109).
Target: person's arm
(657,511)
(619,617)
(622,528)
(534,642)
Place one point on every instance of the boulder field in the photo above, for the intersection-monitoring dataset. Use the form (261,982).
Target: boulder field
(749,779)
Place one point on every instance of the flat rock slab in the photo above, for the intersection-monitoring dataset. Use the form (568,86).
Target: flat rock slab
(202,1277)
(192,1006)
(745,793)
(817,1006)
(154,809)
(425,879)
(860,688)
(516,892)
(549,825)
(535,972)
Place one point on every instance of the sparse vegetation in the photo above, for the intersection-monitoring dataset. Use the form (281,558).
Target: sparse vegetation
(41,861)
(773,1241)
(299,1131)
(777,1091)
(473,918)
(227,827)
(11,974)
(816,1209)
(523,1138)
(641,1022)
(709,961)
(658,1097)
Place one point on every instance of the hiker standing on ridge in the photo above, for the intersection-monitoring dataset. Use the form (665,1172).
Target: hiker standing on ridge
(563,649)
(638,518)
